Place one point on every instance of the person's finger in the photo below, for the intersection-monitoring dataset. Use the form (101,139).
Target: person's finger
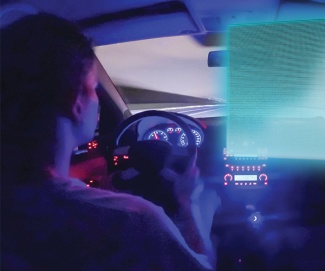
(191,164)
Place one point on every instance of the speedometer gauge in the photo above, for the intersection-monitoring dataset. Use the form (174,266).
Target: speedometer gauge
(183,141)
(158,135)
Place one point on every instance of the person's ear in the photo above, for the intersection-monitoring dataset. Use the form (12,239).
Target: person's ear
(77,110)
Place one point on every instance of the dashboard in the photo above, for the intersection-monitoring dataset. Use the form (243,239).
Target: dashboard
(173,134)
(164,129)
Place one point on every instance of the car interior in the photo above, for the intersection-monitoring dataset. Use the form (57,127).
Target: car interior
(239,83)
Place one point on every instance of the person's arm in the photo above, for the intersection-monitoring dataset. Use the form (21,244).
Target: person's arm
(170,245)
(190,220)
(185,218)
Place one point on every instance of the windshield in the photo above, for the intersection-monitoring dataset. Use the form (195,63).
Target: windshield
(168,73)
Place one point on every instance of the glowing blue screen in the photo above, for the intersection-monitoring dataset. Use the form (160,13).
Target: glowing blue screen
(276,90)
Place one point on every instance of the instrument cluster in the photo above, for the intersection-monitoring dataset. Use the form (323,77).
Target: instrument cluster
(173,134)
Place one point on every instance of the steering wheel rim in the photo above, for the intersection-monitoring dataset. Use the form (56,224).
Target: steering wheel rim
(188,150)
(147,181)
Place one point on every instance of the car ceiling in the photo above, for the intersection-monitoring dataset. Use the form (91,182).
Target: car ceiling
(131,63)
(193,16)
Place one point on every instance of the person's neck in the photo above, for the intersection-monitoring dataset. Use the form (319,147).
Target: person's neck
(62,161)
(64,148)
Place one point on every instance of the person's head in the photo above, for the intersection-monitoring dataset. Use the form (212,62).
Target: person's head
(47,72)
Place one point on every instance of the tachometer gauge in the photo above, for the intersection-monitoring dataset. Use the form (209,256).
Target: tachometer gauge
(158,135)
(183,141)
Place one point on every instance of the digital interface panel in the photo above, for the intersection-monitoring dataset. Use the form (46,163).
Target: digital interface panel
(245,177)
(276,90)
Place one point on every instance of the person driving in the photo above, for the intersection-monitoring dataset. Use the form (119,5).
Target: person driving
(51,221)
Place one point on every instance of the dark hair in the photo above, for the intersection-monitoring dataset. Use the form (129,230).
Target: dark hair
(44,60)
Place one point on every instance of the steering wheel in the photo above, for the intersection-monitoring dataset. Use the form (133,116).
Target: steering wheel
(155,148)
(149,157)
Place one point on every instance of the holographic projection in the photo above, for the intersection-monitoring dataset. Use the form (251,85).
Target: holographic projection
(276,90)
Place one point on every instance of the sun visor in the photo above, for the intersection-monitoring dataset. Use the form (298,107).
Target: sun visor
(139,28)
(108,23)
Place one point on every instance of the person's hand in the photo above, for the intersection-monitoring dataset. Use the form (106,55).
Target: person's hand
(194,197)
(197,206)
(185,183)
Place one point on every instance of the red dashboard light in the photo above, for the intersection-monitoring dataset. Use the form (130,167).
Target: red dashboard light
(92,145)
(228,177)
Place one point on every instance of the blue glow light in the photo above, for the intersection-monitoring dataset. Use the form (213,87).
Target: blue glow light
(276,90)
